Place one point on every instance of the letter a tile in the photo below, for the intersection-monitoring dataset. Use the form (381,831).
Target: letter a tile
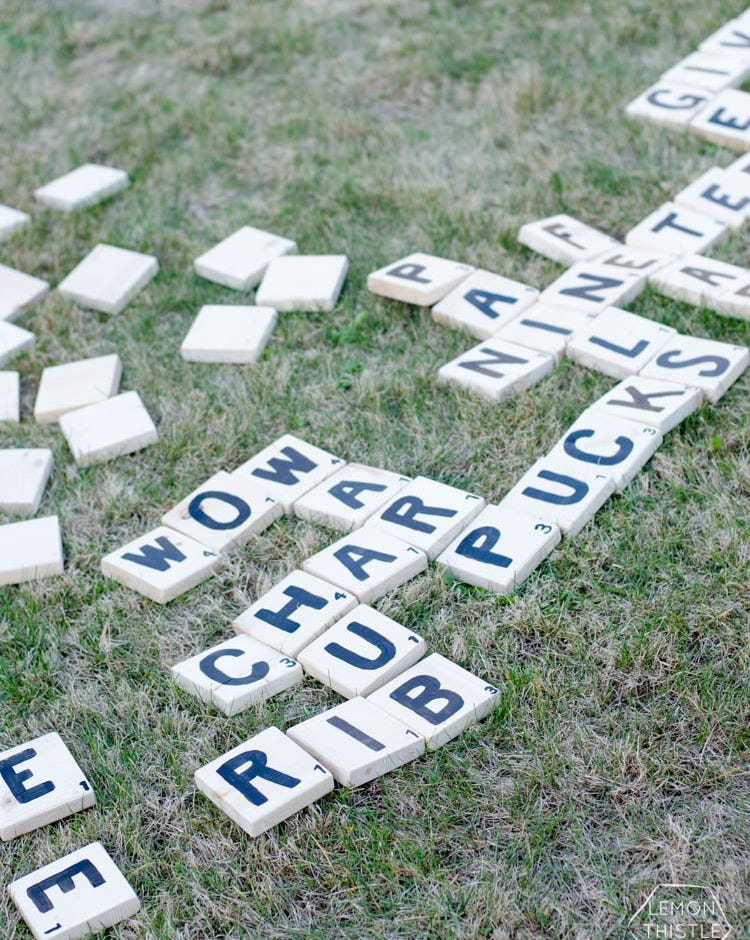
(437,699)
(40,782)
(264,781)
(483,303)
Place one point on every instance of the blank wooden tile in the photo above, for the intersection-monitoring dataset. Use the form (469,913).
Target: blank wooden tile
(698,280)
(437,699)
(74,385)
(368,563)
(236,674)
(652,402)
(13,340)
(40,782)
(294,612)
(496,368)
(30,549)
(731,39)
(483,303)
(428,514)
(499,550)
(560,491)
(76,896)
(616,447)
(618,343)
(357,741)
(303,282)
(225,333)
(590,288)
(23,476)
(110,428)
(10,396)
(719,193)
(11,221)
(224,513)
(361,652)
(264,781)
(693,360)
(734,301)
(669,104)
(625,258)
(418,279)
(288,468)
(545,328)
(108,278)
(84,186)
(675,230)
(708,71)
(726,120)
(162,564)
(18,291)
(347,499)
(241,259)
(565,239)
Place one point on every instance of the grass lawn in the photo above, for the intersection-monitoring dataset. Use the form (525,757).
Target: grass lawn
(618,758)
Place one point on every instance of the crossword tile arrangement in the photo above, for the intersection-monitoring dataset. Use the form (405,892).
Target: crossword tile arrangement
(399,698)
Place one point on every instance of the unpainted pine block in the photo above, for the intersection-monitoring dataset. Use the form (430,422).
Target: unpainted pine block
(483,303)
(23,476)
(560,491)
(30,549)
(303,282)
(40,782)
(74,385)
(224,513)
(11,220)
(294,612)
(694,360)
(108,278)
(357,741)
(496,368)
(108,429)
(85,186)
(545,328)
(18,291)
(734,301)
(499,550)
(361,652)
(13,340)
(720,194)
(10,396)
(367,563)
(589,287)
(347,498)
(625,258)
(428,514)
(236,674)
(676,230)
(565,239)
(162,564)
(226,333)
(653,402)
(731,39)
(288,468)
(264,781)
(618,343)
(698,280)
(437,699)
(726,120)
(76,896)
(616,447)
(669,104)
(418,279)
(708,71)
(241,259)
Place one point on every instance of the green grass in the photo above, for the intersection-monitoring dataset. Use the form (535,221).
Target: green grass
(617,758)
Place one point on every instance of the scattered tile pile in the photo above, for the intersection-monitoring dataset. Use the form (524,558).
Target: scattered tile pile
(699,93)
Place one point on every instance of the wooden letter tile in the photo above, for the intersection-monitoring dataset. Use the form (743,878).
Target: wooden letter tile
(563,238)
(483,303)
(618,343)
(495,368)
(418,279)
(652,402)
(347,499)
(693,360)
(675,230)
